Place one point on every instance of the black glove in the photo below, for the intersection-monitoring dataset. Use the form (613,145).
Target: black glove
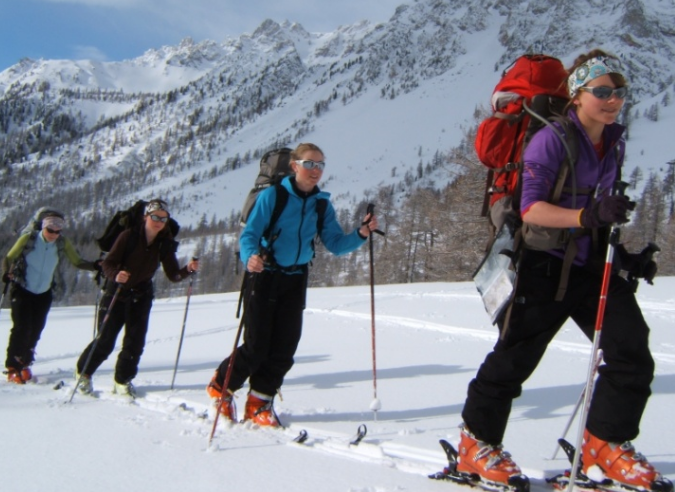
(638,265)
(6,278)
(610,209)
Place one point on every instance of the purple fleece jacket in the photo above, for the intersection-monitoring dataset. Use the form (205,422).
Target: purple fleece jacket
(543,157)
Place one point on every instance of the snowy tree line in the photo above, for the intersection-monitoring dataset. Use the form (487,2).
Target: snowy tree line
(431,234)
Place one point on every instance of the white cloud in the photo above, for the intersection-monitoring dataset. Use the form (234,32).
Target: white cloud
(101,3)
(217,19)
(88,53)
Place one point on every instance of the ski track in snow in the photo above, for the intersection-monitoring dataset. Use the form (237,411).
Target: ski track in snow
(581,348)
(196,419)
(384,446)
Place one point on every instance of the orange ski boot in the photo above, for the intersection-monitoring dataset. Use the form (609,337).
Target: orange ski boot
(620,463)
(14,376)
(26,374)
(227,408)
(489,464)
(259,410)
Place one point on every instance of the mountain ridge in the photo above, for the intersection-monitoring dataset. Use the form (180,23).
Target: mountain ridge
(186,110)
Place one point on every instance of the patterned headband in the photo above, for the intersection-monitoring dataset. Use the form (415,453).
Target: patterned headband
(154,205)
(592,69)
(53,222)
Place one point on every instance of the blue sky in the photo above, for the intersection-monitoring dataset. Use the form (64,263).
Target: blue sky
(113,30)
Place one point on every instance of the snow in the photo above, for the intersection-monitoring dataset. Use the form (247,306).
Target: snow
(430,340)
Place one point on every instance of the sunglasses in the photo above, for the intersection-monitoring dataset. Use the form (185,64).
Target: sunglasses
(307,164)
(158,218)
(52,231)
(605,92)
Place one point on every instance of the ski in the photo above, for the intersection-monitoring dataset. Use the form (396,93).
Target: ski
(518,483)
(584,483)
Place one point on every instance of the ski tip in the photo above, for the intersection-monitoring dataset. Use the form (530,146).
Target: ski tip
(301,437)
(360,434)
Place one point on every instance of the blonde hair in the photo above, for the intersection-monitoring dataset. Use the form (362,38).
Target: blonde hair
(304,147)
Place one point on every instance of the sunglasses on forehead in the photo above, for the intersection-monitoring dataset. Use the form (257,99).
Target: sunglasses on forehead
(157,218)
(309,164)
(605,92)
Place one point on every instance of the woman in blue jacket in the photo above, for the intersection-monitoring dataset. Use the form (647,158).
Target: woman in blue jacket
(597,89)
(31,266)
(277,283)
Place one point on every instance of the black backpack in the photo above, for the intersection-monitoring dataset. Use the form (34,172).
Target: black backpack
(131,218)
(275,165)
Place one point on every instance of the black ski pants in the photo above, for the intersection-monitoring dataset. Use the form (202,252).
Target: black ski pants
(274,304)
(623,385)
(29,316)
(131,311)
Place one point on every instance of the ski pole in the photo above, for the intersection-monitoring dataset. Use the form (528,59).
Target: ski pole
(182,331)
(96,306)
(4,293)
(619,189)
(97,279)
(230,364)
(375,405)
(574,412)
(95,342)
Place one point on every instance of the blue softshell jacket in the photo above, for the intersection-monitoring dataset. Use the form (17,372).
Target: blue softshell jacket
(295,229)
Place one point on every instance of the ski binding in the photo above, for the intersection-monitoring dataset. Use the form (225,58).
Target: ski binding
(519,483)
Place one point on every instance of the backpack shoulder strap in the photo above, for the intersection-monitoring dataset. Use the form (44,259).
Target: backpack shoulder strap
(321,206)
(279,205)
(61,245)
(571,144)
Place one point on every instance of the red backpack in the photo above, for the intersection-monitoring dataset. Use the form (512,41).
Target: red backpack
(533,85)
(532,93)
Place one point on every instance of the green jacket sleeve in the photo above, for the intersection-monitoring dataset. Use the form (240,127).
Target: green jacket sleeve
(14,253)
(74,257)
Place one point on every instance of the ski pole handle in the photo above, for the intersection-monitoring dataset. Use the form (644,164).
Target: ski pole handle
(619,188)
(369,211)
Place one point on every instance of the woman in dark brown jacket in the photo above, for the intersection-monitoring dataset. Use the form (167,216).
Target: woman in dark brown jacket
(130,266)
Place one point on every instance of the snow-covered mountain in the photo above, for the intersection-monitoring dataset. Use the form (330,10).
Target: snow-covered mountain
(190,121)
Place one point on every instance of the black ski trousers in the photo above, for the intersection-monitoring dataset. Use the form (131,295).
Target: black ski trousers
(29,316)
(272,330)
(131,311)
(623,385)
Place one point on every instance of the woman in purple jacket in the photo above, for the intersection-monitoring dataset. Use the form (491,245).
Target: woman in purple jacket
(597,90)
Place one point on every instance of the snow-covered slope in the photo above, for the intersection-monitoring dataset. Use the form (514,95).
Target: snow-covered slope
(430,340)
